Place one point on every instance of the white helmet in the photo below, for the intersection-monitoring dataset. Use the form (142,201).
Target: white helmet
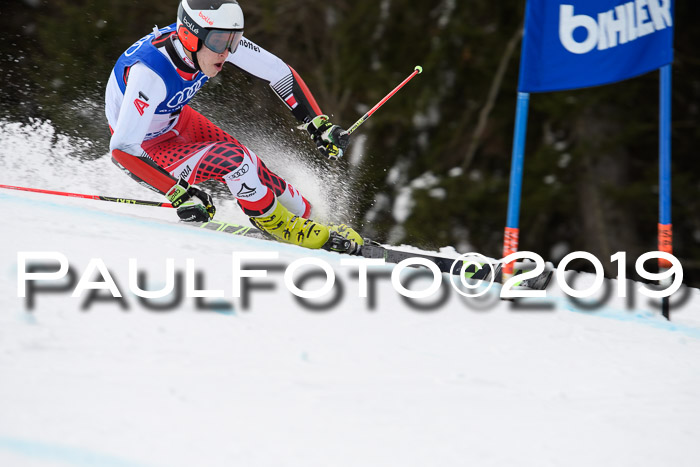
(218,24)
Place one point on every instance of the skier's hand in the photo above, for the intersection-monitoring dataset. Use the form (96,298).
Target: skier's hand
(182,196)
(331,140)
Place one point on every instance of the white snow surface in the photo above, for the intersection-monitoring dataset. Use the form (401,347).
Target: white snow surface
(473,382)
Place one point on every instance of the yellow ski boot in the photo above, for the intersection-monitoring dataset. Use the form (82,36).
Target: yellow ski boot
(348,233)
(288,228)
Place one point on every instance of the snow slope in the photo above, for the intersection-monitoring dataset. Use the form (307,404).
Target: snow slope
(473,382)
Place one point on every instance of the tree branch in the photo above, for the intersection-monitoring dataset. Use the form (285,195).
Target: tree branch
(491,100)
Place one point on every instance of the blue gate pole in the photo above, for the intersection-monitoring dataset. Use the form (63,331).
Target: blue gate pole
(512,230)
(665,147)
(665,226)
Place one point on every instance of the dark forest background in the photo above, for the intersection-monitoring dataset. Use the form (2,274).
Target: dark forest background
(591,172)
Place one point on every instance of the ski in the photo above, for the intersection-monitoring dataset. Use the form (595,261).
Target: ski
(485,272)
(448,265)
(370,249)
(233,229)
(535,283)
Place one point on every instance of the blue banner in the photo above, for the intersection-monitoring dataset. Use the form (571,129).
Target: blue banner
(572,44)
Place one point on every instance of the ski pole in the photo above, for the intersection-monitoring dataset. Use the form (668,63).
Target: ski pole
(418,70)
(93,197)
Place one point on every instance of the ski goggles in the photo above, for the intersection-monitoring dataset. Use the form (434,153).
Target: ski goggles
(218,40)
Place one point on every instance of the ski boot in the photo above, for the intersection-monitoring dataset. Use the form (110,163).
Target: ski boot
(288,228)
(353,240)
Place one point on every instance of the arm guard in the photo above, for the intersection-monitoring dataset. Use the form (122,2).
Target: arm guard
(144,171)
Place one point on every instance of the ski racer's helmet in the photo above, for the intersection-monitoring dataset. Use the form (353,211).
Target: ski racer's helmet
(217,24)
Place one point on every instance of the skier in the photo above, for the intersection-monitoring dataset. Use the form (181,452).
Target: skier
(169,147)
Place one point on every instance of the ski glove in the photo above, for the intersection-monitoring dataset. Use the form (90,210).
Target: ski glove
(331,140)
(188,209)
